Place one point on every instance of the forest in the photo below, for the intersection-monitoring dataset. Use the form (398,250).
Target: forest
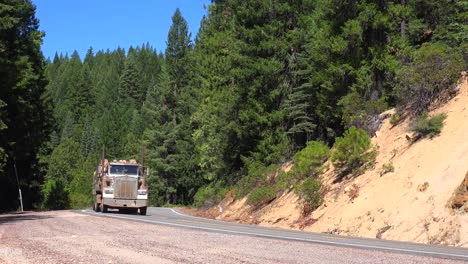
(259,81)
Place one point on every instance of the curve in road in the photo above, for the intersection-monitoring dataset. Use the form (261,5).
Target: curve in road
(172,217)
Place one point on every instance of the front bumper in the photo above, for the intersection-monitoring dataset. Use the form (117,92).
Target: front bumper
(124,203)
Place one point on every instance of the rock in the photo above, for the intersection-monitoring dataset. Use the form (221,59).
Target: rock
(413,136)
(423,187)
(346,189)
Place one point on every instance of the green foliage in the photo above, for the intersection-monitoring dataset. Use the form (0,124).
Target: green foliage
(309,161)
(394,152)
(429,126)
(3,156)
(361,113)
(131,90)
(353,151)
(309,190)
(284,181)
(386,168)
(257,176)
(261,79)
(63,162)
(81,185)
(261,195)
(394,119)
(25,118)
(210,195)
(432,74)
(55,194)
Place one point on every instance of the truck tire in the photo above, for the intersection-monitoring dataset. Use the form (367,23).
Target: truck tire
(104,208)
(143,210)
(96,206)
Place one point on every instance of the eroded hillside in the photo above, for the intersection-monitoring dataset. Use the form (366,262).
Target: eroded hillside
(422,200)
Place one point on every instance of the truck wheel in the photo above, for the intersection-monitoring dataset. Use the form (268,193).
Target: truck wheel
(96,206)
(143,211)
(104,208)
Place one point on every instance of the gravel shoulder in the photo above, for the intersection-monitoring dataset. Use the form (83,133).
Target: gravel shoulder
(68,237)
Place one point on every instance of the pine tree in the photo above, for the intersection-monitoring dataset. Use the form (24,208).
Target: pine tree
(24,113)
(131,90)
(170,138)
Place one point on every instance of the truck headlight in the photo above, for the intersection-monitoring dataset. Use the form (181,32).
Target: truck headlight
(142,192)
(108,191)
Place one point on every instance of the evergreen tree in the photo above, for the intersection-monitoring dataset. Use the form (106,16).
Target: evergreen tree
(131,90)
(24,108)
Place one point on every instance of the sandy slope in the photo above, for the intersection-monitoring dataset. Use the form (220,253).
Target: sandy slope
(409,204)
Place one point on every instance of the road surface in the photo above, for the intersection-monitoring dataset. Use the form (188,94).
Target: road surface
(167,236)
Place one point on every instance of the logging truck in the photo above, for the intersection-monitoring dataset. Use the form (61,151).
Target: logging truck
(120,185)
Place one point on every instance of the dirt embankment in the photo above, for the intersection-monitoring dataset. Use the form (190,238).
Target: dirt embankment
(423,200)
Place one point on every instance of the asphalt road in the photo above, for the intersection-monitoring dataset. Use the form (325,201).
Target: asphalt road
(174,218)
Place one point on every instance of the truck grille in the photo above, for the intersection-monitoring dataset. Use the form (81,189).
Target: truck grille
(125,188)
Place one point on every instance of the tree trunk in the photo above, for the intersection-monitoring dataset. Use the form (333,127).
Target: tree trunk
(403,22)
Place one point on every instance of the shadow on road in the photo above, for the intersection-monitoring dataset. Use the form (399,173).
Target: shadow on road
(10,218)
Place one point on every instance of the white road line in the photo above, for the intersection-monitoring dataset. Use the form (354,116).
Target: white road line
(290,238)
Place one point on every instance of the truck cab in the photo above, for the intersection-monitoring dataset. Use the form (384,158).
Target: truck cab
(121,185)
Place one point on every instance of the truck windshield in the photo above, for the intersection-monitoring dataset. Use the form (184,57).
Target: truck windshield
(124,169)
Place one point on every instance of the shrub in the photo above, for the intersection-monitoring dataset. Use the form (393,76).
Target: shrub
(362,112)
(257,175)
(394,119)
(432,74)
(55,194)
(209,195)
(386,168)
(429,126)
(284,180)
(309,190)
(261,195)
(309,161)
(353,151)
(394,152)
(353,192)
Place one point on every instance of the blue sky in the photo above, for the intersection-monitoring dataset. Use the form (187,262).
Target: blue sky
(108,24)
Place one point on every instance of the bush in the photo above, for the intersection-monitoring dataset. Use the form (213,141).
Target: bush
(353,151)
(309,190)
(56,196)
(386,168)
(257,175)
(394,120)
(284,180)
(309,161)
(209,195)
(429,126)
(431,75)
(261,195)
(362,112)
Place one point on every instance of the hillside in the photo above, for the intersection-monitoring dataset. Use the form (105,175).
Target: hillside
(413,203)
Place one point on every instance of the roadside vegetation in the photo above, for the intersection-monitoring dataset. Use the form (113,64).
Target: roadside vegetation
(354,152)
(387,168)
(261,83)
(429,126)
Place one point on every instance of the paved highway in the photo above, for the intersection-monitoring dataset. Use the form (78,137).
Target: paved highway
(174,218)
